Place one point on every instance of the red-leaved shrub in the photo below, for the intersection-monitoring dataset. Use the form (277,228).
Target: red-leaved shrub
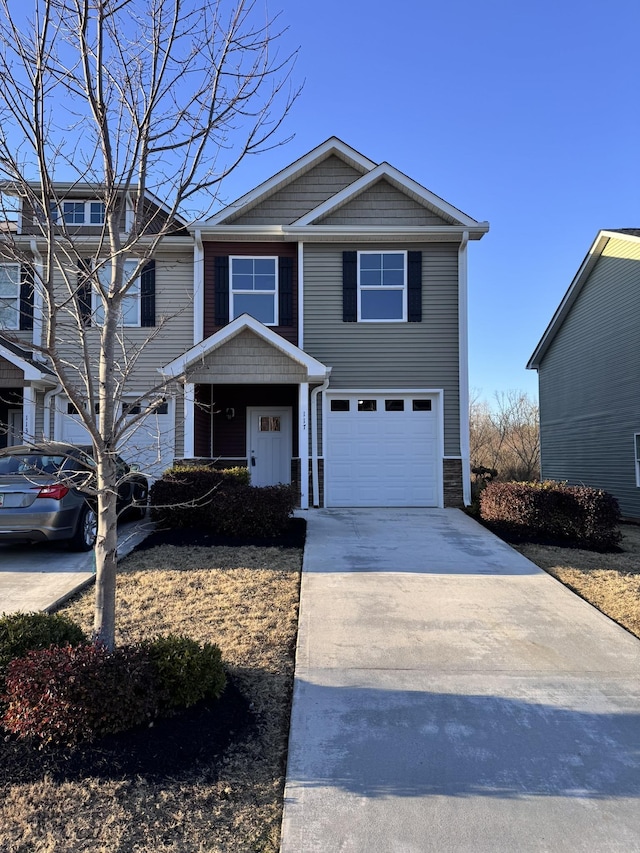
(65,694)
(576,515)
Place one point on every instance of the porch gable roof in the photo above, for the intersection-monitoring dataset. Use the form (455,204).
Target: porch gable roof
(316,371)
(23,360)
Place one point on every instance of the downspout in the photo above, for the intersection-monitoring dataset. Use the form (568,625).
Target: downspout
(300,294)
(46,430)
(36,336)
(314,438)
(463,353)
(198,288)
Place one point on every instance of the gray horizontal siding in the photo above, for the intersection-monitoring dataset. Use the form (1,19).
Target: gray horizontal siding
(388,355)
(141,351)
(589,401)
(382,204)
(302,195)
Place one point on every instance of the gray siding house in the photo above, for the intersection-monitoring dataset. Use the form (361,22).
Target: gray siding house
(314,330)
(588,364)
(331,336)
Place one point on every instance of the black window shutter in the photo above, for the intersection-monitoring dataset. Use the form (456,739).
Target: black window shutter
(221,307)
(349,287)
(285,291)
(148,294)
(26,297)
(83,293)
(414,286)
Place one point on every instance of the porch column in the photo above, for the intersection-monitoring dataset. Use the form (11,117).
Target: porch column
(303,443)
(28,414)
(189,420)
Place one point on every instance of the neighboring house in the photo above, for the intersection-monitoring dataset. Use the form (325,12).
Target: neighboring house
(588,364)
(331,336)
(327,340)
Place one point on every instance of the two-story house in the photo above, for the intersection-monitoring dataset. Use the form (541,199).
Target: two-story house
(326,318)
(156,322)
(330,329)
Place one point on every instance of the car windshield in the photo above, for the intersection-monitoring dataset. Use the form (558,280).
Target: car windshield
(32,463)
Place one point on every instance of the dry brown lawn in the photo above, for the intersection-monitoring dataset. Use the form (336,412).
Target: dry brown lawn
(611,582)
(244,599)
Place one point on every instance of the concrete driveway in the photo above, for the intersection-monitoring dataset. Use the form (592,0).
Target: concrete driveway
(39,577)
(451,696)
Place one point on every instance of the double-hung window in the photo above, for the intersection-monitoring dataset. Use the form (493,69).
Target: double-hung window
(382,286)
(254,288)
(9,296)
(130,315)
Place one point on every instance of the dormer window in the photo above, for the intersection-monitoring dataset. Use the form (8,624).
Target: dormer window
(83,212)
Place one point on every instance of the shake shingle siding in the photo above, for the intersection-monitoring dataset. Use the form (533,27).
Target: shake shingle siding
(388,355)
(589,400)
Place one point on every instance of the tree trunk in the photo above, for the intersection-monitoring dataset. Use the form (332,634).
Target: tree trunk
(104,625)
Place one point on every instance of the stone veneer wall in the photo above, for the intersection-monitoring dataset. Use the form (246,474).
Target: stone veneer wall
(452,476)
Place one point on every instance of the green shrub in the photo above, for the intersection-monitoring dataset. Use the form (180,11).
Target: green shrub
(24,632)
(239,472)
(186,671)
(222,502)
(66,694)
(577,515)
(253,511)
(184,496)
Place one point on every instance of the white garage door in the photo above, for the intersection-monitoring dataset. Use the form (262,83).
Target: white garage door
(149,444)
(382,450)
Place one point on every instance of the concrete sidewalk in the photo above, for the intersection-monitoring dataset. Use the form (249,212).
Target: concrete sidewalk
(451,696)
(41,577)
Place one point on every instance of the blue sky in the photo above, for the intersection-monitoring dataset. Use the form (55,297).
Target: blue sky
(526,115)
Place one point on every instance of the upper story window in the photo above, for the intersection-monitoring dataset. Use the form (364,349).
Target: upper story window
(83,212)
(254,288)
(382,286)
(9,296)
(131,302)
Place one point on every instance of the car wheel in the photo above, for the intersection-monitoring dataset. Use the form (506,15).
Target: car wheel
(85,536)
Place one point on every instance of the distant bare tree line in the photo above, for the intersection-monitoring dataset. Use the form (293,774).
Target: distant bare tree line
(505,436)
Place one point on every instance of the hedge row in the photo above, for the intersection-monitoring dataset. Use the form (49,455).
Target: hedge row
(220,501)
(65,693)
(577,515)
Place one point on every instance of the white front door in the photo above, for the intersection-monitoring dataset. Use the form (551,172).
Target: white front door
(269,445)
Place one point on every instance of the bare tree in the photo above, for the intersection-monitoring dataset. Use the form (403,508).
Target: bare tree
(505,436)
(133,99)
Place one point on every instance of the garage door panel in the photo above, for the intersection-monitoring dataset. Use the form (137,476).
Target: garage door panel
(382,458)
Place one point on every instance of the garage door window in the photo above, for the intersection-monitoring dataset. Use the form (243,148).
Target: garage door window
(422,405)
(339,405)
(367,405)
(394,405)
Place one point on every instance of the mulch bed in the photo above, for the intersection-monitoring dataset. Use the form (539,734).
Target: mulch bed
(197,537)
(175,747)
